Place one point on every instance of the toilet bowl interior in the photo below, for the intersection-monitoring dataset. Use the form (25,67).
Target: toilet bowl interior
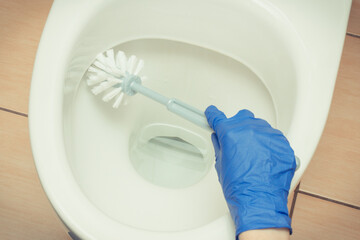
(203,55)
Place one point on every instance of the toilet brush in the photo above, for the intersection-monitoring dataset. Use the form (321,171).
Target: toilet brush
(116,75)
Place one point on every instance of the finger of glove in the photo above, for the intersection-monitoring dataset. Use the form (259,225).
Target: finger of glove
(214,116)
(216,143)
(247,121)
(243,114)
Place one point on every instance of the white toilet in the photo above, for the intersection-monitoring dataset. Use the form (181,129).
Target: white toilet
(140,172)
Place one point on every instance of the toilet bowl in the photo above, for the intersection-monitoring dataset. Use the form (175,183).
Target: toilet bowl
(139,172)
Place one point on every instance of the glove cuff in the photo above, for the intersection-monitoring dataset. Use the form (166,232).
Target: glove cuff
(267,220)
(259,213)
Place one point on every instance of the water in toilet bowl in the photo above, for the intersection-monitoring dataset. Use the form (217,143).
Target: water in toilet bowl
(124,160)
(170,156)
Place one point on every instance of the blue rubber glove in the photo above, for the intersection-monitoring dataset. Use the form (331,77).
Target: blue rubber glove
(255,165)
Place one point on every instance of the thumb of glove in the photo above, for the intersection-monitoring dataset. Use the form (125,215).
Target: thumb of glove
(214,116)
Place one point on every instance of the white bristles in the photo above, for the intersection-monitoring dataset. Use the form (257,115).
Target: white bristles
(121,60)
(110,54)
(109,60)
(93,70)
(113,69)
(113,79)
(102,87)
(100,65)
(109,63)
(94,79)
(140,65)
(101,58)
(107,73)
(111,94)
(118,100)
(131,64)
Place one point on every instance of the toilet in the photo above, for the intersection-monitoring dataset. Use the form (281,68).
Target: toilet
(140,172)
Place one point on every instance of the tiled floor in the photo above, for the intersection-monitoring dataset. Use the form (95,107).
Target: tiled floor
(337,159)
(325,206)
(25,212)
(21,24)
(321,219)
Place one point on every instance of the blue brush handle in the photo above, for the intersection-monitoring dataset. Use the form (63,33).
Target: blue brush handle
(176,106)
(180,108)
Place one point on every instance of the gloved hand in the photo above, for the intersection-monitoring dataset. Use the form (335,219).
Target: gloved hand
(255,165)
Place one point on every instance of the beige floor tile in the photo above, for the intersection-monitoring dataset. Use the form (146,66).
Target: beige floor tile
(25,212)
(334,169)
(290,200)
(21,24)
(354,20)
(318,219)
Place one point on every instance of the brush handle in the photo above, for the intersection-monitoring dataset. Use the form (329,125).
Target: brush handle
(180,108)
(176,106)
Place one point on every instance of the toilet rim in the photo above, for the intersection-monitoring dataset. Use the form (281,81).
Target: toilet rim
(63,191)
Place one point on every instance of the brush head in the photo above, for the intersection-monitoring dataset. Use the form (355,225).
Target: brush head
(111,75)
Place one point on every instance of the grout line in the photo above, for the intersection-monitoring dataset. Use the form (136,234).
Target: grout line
(14,112)
(294,201)
(329,200)
(353,35)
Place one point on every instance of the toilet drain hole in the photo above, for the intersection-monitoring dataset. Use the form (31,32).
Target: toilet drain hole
(169,161)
